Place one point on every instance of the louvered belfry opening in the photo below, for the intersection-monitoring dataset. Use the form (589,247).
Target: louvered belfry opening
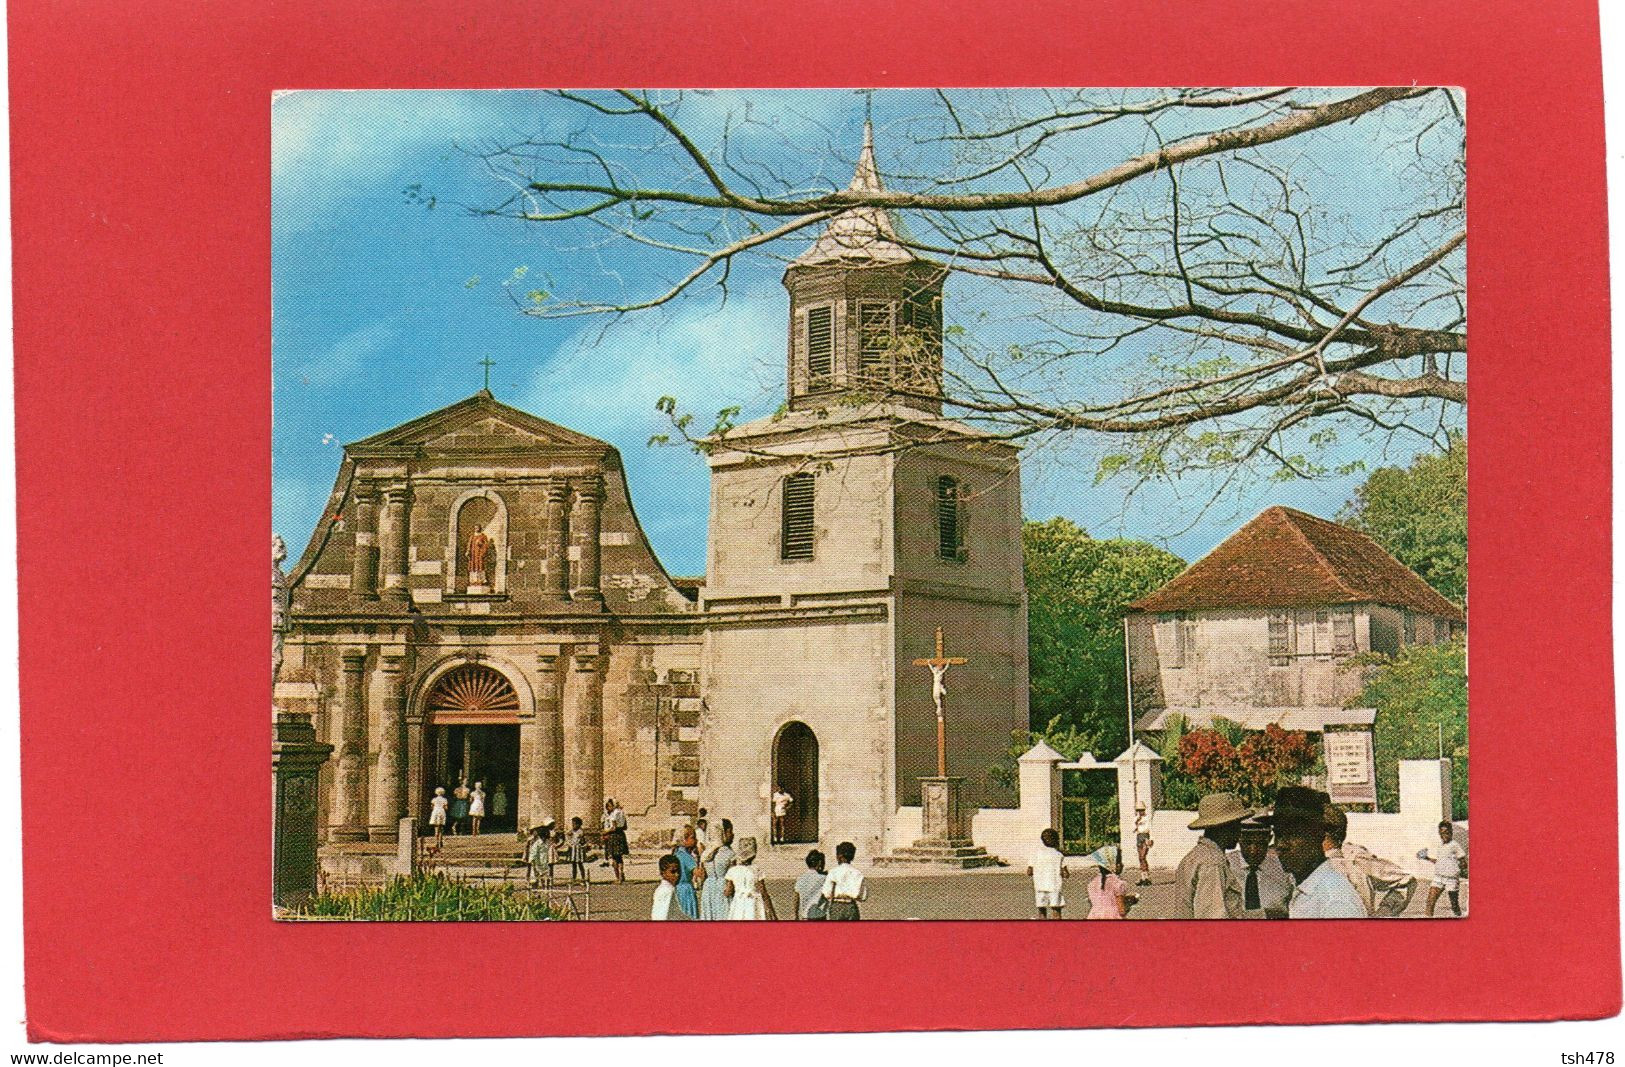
(797,536)
(874,341)
(950,535)
(473,694)
(820,347)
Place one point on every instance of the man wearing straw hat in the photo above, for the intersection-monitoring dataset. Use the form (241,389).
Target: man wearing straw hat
(1205,887)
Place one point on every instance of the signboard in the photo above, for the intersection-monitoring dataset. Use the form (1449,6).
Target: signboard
(1351,776)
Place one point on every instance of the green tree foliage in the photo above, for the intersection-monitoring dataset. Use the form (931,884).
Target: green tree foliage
(1421,701)
(1419,514)
(1078,589)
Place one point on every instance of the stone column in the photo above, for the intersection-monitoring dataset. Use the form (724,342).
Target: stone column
(584,531)
(557,553)
(386,799)
(584,735)
(364,567)
(349,810)
(416,785)
(541,748)
(393,540)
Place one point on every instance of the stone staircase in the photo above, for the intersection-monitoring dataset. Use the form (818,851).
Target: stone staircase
(962,853)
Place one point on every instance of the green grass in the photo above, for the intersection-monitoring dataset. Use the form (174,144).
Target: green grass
(430,898)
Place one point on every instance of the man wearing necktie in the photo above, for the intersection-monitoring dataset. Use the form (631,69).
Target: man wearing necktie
(1266,886)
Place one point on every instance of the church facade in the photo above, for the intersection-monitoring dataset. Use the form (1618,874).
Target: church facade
(480,601)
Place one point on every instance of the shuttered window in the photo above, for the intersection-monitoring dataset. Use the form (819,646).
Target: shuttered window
(1343,631)
(950,519)
(1183,645)
(796,538)
(874,340)
(820,347)
(1280,640)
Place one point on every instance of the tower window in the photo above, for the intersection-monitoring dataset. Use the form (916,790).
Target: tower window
(820,347)
(796,536)
(875,329)
(950,519)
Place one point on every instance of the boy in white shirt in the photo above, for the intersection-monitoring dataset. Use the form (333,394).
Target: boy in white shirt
(1447,860)
(844,886)
(666,891)
(1047,870)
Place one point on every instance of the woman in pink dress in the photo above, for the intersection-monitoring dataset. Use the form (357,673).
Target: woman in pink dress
(1109,897)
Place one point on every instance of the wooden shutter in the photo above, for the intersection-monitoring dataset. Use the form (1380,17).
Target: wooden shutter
(874,340)
(1280,640)
(796,536)
(1343,632)
(950,520)
(820,347)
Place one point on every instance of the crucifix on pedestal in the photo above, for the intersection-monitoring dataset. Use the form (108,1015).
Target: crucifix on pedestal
(939,665)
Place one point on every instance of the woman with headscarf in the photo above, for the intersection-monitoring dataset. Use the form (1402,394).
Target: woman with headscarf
(1109,897)
(690,873)
(747,896)
(720,857)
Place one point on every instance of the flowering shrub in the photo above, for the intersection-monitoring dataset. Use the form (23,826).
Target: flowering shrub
(1264,760)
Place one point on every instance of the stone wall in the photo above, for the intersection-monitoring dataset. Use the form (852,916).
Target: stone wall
(835,676)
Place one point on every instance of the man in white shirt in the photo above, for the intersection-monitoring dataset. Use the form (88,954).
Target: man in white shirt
(1300,838)
(781,808)
(666,890)
(1447,860)
(844,886)
(1266,887)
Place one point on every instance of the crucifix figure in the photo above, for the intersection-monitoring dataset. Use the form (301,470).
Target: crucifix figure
(939,665)
(487,363)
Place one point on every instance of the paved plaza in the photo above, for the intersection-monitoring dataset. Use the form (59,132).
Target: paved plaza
(915,893)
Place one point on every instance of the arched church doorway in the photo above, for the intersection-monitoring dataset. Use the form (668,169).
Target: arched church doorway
(795,770)
(473,735)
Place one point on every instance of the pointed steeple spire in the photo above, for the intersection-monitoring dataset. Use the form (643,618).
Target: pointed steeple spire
(861,235)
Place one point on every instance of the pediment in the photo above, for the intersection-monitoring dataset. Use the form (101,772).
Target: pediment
(477,424)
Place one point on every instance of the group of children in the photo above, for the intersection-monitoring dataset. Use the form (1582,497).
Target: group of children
(1109,897)
(549,845)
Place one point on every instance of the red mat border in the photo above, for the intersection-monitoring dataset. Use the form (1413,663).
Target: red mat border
(140,189)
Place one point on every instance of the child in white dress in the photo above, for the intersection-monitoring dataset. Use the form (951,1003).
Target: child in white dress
(747,897)
(437,815)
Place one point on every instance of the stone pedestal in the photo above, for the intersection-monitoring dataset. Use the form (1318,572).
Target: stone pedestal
(296,756)
(945,821)
(943,815)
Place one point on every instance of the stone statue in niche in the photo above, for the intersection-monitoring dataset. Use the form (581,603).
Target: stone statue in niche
(279,603)
(479,546)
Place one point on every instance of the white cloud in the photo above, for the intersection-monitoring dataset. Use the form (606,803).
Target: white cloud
(330,144)
(606,382)
(345,358)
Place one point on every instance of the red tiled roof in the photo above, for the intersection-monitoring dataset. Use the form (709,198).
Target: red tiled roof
(1289,559)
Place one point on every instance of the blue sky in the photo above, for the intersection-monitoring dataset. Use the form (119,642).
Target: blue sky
(383,306)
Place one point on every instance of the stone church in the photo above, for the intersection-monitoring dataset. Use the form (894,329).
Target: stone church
(479,600)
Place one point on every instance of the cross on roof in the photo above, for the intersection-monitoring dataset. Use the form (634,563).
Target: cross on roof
(488,363)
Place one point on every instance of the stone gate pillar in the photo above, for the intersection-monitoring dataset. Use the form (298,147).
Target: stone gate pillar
(349,810)
(584,736)
(296,758)
(386,800)
(393,541)
(585,531)
(557,552)
(364,566)
(1139,781)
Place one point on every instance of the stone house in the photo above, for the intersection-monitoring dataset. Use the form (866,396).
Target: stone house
(1261,629)
(481,601)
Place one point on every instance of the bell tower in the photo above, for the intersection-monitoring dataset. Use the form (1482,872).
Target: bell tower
(865,311)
